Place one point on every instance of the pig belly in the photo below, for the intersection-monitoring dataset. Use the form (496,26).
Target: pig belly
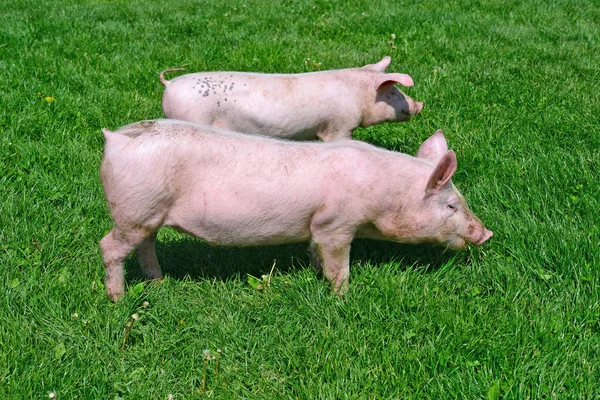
(230,220)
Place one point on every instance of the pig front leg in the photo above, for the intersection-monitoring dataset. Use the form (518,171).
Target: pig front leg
(331,237)
(333,260)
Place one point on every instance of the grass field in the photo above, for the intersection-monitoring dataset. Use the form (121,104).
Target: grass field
(515,87)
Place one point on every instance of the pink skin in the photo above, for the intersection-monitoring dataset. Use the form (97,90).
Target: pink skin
(233,189)
(327,105)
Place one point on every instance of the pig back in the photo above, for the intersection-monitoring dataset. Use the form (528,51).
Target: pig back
(295,106)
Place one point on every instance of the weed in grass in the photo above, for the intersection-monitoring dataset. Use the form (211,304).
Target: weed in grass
(208,357)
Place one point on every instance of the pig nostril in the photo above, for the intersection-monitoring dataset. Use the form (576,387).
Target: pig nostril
(487,234)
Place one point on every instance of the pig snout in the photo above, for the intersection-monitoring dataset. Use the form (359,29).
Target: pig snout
(486,235)
(462,242)
(410,107)
(477,233)
(415,108)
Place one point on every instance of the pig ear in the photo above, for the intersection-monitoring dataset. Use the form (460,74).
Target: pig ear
(381,66)
(442,174)
(434,148)
(387,80)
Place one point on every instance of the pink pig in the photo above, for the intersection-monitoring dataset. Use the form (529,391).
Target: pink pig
(232,189)
(328,105)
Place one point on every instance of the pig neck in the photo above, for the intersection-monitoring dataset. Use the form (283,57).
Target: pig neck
(359,96)
(399,216)
(374,111)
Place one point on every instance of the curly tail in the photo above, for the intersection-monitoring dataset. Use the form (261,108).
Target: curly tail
(162,74)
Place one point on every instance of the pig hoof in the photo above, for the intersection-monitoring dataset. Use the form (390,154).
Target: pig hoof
(114,297)
(340,288)
(154,275)
(157,281)
(340,292)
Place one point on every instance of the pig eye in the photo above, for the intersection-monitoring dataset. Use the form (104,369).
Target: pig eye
(452,207)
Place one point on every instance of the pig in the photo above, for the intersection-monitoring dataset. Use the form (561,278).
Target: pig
(233,189)
(327,105)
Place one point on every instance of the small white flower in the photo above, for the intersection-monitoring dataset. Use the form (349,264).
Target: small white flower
(135,317)
(52,395)
(75,315)
(145,304)
(393,36)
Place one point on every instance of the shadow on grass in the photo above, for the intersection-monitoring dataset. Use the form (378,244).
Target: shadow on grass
(193,259)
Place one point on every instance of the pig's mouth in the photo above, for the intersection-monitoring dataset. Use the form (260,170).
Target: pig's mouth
(405,115)
(457,243)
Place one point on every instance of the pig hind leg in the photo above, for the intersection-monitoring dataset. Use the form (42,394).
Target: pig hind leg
(116,246)
(146,256)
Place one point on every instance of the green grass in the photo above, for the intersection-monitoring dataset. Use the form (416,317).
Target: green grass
(514,85)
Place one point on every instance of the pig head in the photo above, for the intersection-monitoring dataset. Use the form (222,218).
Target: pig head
(452,222)
(390,103)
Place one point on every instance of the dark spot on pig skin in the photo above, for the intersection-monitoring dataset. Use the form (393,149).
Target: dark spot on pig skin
(470,229)
(147,124)
(219,103)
